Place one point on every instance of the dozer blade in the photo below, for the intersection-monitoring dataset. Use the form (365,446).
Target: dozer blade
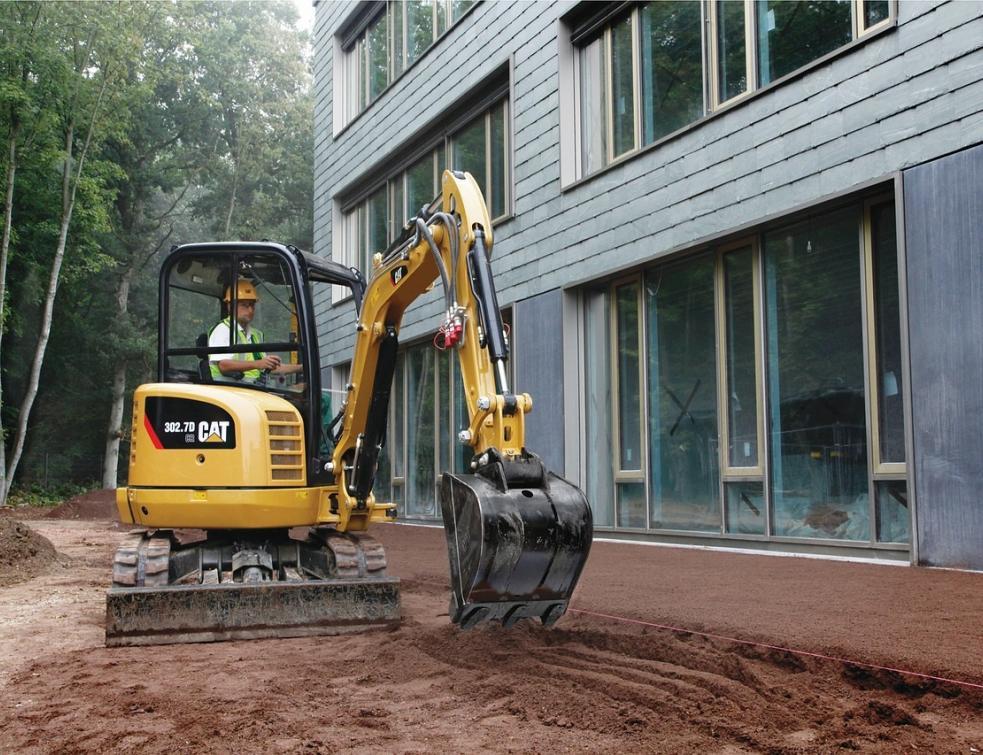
(213,613)
(247,586)
(515,551)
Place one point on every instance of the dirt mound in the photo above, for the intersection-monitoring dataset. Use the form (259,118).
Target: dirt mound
(96,504)
(23,552)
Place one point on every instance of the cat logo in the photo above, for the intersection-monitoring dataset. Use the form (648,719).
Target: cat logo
(397,274)
(213,432)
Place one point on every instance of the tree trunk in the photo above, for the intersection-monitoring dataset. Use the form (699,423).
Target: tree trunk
(8,213)
(68,205)
(232,199)
(110,460)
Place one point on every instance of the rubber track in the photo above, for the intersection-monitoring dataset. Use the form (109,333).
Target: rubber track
(354,555)
(142,560)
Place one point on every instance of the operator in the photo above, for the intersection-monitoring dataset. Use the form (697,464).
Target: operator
(237,366)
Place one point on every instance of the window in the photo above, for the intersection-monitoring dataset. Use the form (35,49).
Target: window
(625,106)
(380,46)
(754,390)
(892,518)
(645,71)
(816,379)
(480,146)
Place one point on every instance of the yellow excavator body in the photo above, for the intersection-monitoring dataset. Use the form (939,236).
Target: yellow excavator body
(237,443)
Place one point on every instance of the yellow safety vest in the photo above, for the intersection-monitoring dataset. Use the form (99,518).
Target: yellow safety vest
(255,336)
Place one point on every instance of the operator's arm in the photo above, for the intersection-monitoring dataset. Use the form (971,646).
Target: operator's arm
(272,363)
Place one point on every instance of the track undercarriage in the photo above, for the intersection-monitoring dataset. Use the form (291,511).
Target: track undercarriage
(252,584)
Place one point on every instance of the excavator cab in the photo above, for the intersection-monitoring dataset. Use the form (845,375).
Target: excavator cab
(229,303)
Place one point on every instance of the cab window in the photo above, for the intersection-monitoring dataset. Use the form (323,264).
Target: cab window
(238,314)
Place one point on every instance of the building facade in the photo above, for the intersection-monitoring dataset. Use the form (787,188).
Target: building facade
(738,246)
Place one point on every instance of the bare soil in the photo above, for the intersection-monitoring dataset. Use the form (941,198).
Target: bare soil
(597,682)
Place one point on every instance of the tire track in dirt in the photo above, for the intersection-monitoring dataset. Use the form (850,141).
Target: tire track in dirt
(584,685)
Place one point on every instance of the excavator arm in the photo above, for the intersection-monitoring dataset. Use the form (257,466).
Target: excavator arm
(517,534)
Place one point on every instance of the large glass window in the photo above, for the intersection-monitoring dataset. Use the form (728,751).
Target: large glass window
(421,185)
(622,88)
(642,74)
(741,354)
(671,41)
(682,393)
(731,49)
(598,412)
(765,332)
(593,138)
(816,379)
(792,33)
(481,147)
(631,480)
(420,432)
(890,409)
(426,412)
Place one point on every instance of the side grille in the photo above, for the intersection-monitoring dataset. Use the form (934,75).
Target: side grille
(286,446)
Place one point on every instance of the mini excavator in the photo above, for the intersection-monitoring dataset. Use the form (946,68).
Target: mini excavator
(252,502)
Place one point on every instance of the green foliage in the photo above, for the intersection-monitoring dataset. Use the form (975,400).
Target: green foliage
(38,494)
(205,106)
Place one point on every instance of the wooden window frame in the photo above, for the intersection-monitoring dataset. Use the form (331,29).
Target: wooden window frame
(729,472)
(880,470)
(640,475)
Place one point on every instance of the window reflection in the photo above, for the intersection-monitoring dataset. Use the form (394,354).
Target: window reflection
(731,49)
(682,394)
(742,379)
(816,380)
(672,67)
(629,394)
(597,406)
(893,518)
(746,512)
(420,432)
(622,89)
(792,33)
(890,408)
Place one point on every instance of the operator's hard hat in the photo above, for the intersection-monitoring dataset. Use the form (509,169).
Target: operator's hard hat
(245,291)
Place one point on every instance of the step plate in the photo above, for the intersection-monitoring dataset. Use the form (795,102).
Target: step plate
(219,612)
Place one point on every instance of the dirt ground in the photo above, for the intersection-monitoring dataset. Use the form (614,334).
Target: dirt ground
(605,679)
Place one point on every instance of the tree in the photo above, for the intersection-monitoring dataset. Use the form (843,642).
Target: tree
(162,123)
(160,157)
(253,64)
(96,45)
(25,62)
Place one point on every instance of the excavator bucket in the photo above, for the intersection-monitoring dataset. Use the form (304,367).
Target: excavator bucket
(517,537)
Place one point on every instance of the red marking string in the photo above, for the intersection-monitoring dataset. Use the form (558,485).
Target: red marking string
(776,647)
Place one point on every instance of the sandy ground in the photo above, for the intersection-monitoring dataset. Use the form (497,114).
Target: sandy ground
(596,682)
